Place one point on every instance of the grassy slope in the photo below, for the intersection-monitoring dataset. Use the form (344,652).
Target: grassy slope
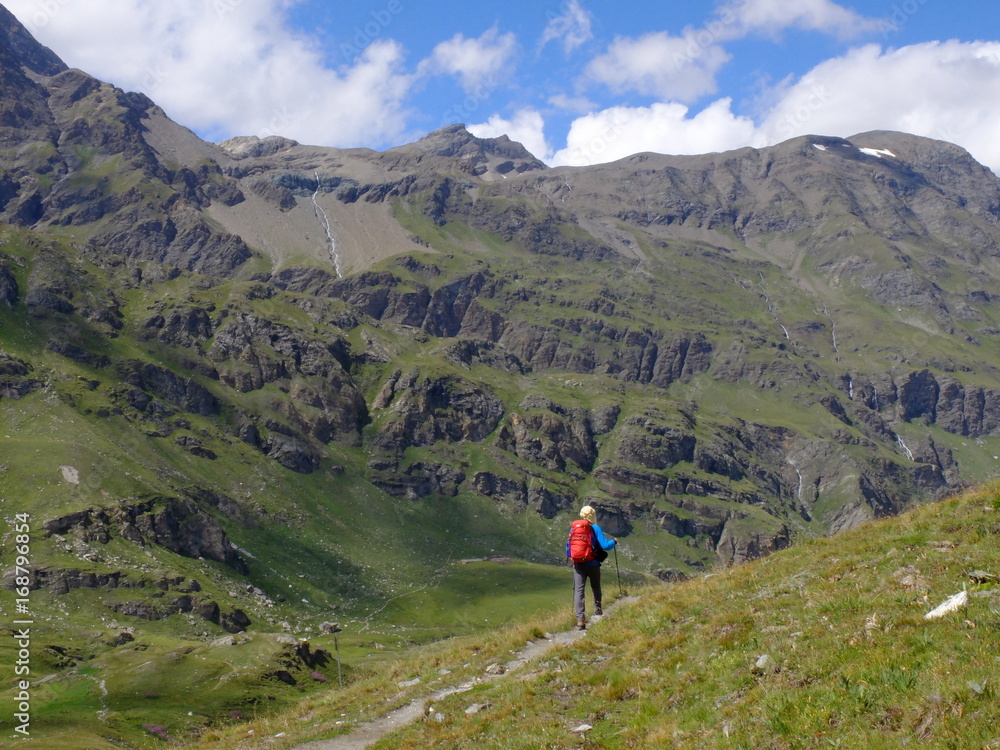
(853,662)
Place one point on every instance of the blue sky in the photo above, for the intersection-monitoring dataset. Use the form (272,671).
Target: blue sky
(576,81)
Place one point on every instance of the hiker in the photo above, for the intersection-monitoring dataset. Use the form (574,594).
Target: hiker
(586,547)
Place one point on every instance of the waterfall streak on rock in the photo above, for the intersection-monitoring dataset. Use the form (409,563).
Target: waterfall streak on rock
(902,446)
(325,221)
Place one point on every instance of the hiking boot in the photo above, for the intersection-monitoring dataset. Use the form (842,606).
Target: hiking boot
(581,625)
(598,611)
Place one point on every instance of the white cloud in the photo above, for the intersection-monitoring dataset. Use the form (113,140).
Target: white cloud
(664,128)
(474,62)
(944,90)
(577,104)
(770,17)
(527,128)
(229,67)
(684,67)
(572,27)
(659,64)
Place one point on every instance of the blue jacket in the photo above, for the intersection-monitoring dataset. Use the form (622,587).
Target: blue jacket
(601,540)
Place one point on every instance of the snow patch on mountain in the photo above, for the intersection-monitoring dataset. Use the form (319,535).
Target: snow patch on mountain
(878,153)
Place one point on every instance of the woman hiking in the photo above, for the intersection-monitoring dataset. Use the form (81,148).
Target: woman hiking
(586,547)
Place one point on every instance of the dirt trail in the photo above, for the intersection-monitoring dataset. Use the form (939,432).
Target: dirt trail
(369,733)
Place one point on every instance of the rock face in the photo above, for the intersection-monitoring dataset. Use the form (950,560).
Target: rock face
(235,621)
(737,545)
(250,352)
(178,524)
(170,595)
(655,446)
(972,411)
(183,393)
(9,292)
(15,380)
(550,441)
(424,411)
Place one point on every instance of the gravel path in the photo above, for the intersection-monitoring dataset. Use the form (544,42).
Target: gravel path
(367,734)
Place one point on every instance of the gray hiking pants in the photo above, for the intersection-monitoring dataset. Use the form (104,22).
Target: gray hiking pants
(581,573)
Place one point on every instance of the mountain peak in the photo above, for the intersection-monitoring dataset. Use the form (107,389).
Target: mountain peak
(487,156)
(24,49)
(242,146)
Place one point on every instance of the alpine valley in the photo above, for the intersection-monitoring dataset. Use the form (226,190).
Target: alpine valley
(252,389)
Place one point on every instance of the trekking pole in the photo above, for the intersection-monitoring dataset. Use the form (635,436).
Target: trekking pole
(621,591)
(340,675)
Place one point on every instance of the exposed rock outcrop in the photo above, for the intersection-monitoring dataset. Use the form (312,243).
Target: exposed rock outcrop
(184,393)
(232,621)
(178,524)
(424,410)
(743,540)
(550,441)
(15,380)
(9,292)
(972,411)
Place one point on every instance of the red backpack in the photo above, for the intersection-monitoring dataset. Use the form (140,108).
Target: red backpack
(581,541)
